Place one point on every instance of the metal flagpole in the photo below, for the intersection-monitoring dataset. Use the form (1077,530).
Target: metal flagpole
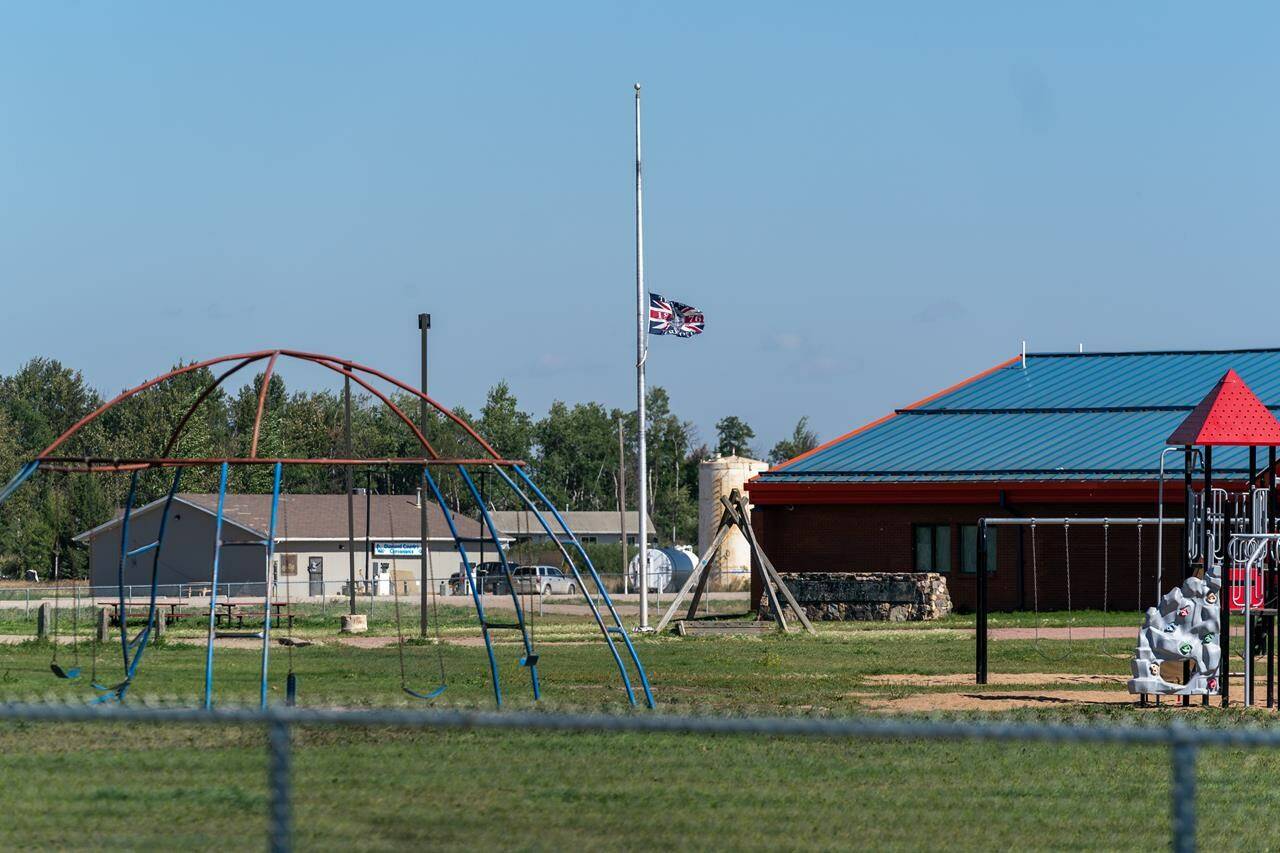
(642,330)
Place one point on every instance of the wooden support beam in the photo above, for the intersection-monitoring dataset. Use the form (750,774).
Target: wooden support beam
(736,515)
(772,578)
(699,571)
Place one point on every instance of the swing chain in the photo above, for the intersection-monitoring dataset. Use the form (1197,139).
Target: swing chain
(1106,573)
(1035,579)
(1106,566)
(1066,543)
(1140,566)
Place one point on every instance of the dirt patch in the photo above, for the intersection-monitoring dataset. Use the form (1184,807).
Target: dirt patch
(359,641)
(1002,701)
(374,642)
(958,678)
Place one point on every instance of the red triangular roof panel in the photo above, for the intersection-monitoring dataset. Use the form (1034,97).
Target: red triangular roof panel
(1230,415)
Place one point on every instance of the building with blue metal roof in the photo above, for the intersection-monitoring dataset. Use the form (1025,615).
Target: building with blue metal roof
(1063,434)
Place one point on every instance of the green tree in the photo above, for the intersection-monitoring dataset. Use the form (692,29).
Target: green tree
(452,442)
(502,423)
(572,450)
(243,410)
(672,503)
(576,456)
(510,431)
(42,400)
(37,403)
(313,430)
(733,436)
(164,420)
(801,440)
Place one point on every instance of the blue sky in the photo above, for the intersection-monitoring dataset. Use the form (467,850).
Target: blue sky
(869,202)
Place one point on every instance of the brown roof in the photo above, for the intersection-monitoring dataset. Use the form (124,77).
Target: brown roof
(325,516)
(581,522)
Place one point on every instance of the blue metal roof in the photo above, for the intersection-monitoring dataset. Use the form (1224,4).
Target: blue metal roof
(1092,416)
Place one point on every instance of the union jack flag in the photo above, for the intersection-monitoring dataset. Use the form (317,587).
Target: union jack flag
(668,317)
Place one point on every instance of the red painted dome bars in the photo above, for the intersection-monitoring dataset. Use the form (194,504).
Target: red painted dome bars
(349,369)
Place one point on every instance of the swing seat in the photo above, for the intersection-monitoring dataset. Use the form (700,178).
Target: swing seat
(291,690)
(107,688)
(428,696)
(529,660)
(72,673)
(110,694)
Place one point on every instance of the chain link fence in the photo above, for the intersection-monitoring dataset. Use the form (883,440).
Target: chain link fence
(76,605)
(269,805)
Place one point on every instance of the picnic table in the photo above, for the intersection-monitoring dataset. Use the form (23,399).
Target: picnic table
(140,607)
(228,609)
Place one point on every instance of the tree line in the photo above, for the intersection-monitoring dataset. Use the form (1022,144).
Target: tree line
(572,451)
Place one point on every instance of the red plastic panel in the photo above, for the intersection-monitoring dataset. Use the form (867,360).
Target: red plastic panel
(1238,589)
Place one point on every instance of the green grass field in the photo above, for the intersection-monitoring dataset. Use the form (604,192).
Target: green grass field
(80,786)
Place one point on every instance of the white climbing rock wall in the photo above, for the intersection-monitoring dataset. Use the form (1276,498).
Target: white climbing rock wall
(1183,628)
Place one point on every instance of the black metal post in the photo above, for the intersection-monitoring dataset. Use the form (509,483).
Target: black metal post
(424,324)
(350,483)
(368,535)
(1188,462)
(1270,584)
(981,641)
(1254,620)
(1224,594)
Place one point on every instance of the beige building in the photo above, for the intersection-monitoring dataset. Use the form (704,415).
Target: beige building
(311,544)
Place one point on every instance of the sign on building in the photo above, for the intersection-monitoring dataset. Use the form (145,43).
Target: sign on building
(397,549)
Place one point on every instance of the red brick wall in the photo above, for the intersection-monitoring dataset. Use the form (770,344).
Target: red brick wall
(822,538)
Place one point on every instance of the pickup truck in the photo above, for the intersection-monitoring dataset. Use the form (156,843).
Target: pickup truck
(488,575)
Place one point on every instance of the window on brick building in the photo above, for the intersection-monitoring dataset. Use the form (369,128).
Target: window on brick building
(969,548)
(932,547)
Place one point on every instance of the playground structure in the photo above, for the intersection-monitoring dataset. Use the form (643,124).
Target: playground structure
(1230,542)
(56,458)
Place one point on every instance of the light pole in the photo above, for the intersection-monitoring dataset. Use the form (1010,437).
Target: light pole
(424,325)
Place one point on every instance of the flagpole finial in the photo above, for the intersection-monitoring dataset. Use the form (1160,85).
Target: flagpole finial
(637,87)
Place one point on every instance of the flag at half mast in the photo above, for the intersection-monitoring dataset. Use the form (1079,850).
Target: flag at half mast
(668,317)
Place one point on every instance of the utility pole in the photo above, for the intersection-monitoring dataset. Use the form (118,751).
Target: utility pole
(675,516)
(642,328)
(424,325)
(622,502)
